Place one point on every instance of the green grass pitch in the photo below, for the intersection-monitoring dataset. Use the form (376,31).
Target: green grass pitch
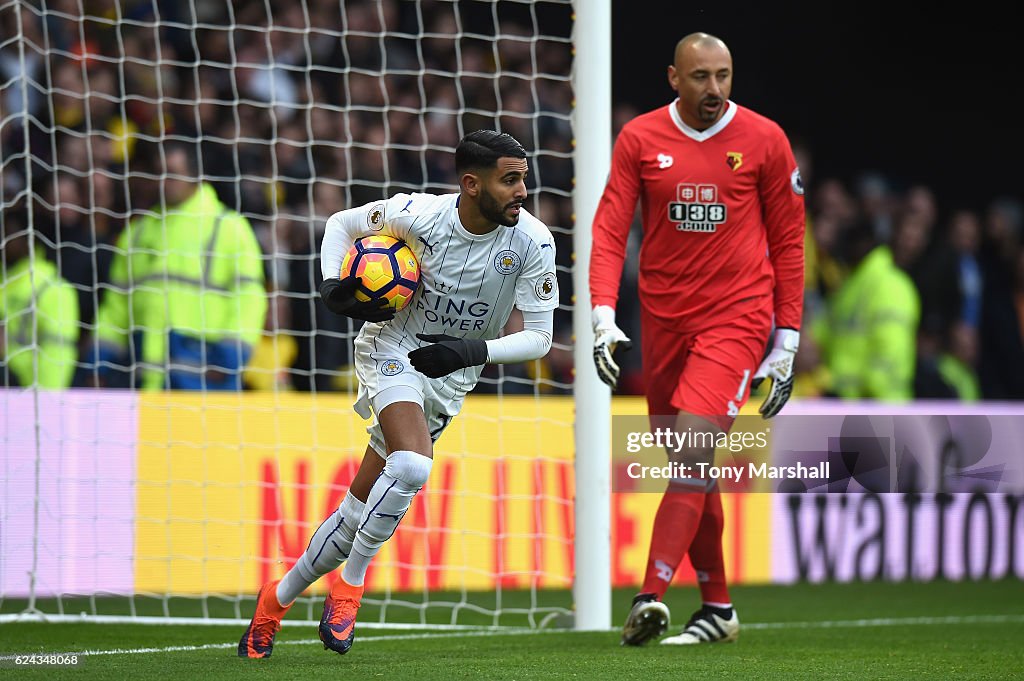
(937,630)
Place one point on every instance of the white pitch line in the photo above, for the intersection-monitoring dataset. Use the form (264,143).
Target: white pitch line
(827,624)
(222,646)
(888,622)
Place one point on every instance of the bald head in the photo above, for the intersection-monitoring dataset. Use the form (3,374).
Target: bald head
(702,76)
(698,41)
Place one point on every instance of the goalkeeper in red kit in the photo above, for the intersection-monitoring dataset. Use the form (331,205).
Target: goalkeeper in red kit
(720,286)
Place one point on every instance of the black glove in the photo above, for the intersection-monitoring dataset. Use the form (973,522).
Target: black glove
(447,354)
(340,298)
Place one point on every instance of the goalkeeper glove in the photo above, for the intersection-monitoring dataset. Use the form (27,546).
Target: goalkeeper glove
(607,338)
(340,298)
(446,354)
(778,366)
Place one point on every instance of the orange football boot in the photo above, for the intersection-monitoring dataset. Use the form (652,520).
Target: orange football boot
(338,623)
(258,640)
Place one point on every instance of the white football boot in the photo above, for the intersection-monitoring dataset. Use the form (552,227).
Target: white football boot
(647,620)
(706,627)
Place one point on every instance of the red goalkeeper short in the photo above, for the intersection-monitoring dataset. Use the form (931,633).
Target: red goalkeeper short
(706,373)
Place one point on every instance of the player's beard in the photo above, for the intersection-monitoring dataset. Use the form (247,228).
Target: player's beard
(495,212)
(710,116)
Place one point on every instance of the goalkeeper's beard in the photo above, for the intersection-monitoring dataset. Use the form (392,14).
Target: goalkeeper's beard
(710,108)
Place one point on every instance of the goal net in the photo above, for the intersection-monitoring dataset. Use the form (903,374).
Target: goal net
(117,500)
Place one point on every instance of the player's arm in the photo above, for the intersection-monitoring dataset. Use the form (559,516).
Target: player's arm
(782,201)
(532,342)
(536,298)
(344,227)
(446,354)
(341,231)
(611,226)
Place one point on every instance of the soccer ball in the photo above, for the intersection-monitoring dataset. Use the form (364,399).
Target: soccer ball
(387,267)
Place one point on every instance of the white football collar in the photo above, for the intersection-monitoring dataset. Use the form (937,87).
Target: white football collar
(701,135)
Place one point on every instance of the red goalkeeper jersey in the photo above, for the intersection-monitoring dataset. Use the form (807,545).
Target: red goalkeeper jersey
(723,219)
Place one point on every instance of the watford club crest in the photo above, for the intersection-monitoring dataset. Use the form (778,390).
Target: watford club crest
(734,159)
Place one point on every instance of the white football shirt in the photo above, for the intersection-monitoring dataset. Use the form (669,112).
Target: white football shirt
(469,283)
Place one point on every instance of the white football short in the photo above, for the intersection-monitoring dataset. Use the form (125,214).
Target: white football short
(386,376)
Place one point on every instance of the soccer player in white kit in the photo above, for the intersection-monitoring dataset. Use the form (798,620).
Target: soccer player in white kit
(480,255)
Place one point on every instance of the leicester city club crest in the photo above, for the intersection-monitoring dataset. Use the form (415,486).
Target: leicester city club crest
(391,367)
(507,262)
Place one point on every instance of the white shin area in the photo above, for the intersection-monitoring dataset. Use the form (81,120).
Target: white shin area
(329,548)
(404,474)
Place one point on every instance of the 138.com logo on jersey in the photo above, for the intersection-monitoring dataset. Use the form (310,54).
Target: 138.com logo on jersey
(696,208)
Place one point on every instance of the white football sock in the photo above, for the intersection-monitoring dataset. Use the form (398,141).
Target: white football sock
(403,476)
(328,548)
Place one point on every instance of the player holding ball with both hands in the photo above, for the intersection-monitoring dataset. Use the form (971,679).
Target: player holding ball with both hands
(480,254)
(721,294)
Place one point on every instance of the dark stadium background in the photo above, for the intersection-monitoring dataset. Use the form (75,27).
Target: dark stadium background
(923,97)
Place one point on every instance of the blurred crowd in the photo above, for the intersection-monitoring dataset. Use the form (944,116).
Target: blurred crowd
(316,109)
(964,264)
(297,115)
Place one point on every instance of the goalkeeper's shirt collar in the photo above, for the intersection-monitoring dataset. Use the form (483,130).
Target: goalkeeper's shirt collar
(701,135)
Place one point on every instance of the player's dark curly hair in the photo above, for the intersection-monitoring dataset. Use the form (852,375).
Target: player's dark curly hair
(483,148)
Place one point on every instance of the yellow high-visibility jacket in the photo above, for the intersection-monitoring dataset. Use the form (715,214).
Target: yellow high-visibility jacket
(39,315)
(195,272)
(870,340)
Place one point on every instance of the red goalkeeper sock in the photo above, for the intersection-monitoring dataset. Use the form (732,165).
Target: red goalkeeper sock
(706,551)
(674,527)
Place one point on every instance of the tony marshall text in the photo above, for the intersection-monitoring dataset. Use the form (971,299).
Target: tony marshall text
(705,471)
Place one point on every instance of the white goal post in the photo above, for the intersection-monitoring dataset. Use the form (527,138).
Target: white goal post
(593,128)
(121,502)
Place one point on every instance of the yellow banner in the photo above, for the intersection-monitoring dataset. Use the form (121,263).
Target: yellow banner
(232,486)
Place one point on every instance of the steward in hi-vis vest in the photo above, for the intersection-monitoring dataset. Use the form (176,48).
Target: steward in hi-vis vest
(186,285)
(38,319)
